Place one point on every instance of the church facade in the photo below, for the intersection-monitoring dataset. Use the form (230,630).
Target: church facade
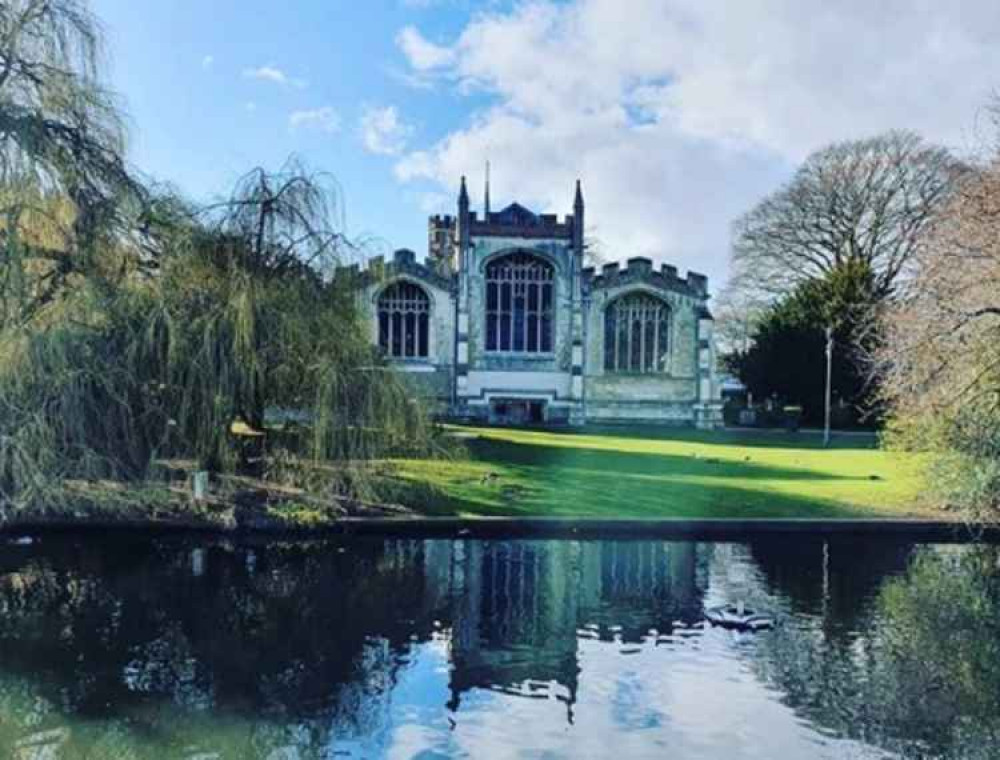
(503,323)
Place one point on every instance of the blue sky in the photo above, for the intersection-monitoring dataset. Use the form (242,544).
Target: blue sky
(200,120)
(678,115)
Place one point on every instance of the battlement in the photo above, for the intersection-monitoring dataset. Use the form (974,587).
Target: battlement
(518,221)
(640,265)
(698,283)
(513,221)
(640,269)
(403,262)
(404,257)
(446,221)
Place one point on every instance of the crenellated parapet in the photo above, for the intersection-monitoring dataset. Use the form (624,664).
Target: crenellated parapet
(517,221)
(403,263)
(641,270)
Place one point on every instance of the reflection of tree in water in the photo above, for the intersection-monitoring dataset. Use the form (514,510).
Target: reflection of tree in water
(918,673)
(307,641)
(832,576)
(142,632)
(137,648)
(939,637)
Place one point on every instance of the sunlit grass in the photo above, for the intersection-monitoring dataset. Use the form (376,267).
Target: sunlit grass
(669,473)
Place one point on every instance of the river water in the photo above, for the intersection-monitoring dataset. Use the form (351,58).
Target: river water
(363,648)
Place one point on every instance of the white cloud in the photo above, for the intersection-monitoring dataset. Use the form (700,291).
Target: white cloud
(436,203)
(680,114)
(208,61)
(383,131)
(324,119)
(271,73)
(421,53)
(417,80)
(250,106)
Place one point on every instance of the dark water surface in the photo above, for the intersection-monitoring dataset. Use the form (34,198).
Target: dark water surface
(180,648)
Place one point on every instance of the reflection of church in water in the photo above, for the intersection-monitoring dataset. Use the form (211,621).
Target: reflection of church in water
(516,610)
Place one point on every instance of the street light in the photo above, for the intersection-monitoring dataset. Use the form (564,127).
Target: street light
(829,367)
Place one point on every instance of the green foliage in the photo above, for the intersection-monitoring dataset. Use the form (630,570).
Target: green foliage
(234,323)
(963,450)
(67,197)
(135,326)
(299,515)
(79,400)
(938,670)
(788,355)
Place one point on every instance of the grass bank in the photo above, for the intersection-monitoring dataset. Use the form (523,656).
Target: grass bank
(647,473)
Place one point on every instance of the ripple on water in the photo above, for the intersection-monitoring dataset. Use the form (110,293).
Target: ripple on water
(409,648)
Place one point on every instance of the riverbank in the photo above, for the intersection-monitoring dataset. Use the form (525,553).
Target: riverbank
(230,504)
(492,528)
(684,479)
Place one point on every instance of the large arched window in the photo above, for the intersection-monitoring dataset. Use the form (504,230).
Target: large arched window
(403,321)
(519,304)
(636,334)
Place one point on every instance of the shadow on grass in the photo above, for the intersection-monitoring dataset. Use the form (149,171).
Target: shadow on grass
(505,478)
(644,463)
(768,439)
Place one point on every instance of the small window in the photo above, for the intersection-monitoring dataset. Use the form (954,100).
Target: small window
(636,334)
(404,321)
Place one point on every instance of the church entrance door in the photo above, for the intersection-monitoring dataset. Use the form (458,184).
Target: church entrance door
(516,412)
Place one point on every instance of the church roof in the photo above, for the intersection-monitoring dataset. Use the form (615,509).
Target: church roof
(517,215)
(517,221)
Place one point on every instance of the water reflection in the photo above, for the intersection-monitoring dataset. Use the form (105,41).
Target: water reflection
(402,648)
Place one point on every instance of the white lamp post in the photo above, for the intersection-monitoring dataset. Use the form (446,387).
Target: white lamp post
(829,377)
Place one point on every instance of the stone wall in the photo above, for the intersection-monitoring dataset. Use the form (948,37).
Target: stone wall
(459,379)
(670,396)
(430,378)
(545,377)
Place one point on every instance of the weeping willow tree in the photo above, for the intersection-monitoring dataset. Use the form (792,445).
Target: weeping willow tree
(65,198)
(66,194)
(256,318)
(135,326)
(246,318)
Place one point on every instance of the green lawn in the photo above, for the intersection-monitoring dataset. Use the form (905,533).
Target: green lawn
(640,473)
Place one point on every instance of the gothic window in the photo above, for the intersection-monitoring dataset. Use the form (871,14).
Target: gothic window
(519,304)
(403,321)
(636,334)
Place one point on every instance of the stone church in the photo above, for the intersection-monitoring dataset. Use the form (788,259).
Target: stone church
(504,323)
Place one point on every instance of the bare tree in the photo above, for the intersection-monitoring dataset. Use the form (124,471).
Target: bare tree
(737,314)
(939,354)
(865,201)
(595,251)
(942,341)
